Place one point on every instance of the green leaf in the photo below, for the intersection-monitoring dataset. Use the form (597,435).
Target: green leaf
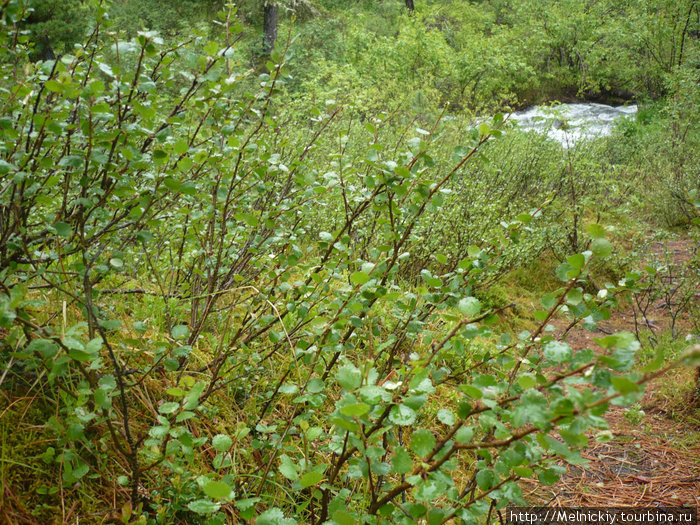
(446,416)
(6,167)
(315,386)
(63,229)
(182,416)
(624,385)
(596,231)
(549,300)
(359,278)
(288,468)
(469,306)
(221,442)
(184,165)
(169,407)
(563,270)
(159,156)
(250,220)
(429,490)
(310,478)
(288,388)
(422,442)
(464,435)
(107,383)
(71,161)
(557,352)
(192,398)
(548,477)
(658,361)
(217,490)
(574,297)
(604,436)
(172,184)
(540,315)
(472,391)
(246,503)
(72,343)
(356,409)
(485,479)
(524,472)
(94,345)
(159,431)
(54,86)
(81,355)
(314,433)
(402,415)
(96,87)
(102,400)
(144,236)
(601,248)
(110,324)
(349,377)
(273,516)
(532,408)
(434,282)
(181,147)
(625,345)
(45,347)
(577,261)
(374,394)
(80,471)
(75,432)
(180,331)
(527,381)
(401,461)
(203,506)
(48,455)
(343,517)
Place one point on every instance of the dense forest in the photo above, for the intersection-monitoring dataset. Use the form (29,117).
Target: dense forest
(298,261)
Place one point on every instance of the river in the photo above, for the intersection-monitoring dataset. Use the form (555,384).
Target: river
(569,123)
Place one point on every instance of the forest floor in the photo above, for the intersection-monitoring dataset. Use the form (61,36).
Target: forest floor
(653,458)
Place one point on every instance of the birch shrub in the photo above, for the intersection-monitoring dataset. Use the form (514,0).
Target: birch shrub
(185,333)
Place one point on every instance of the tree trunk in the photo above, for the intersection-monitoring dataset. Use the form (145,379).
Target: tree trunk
(270,27)
(409,4)
(46,51)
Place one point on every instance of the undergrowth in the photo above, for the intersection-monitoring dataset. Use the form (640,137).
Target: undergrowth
(219,305)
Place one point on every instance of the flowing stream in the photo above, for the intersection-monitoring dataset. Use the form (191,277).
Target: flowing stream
(569,123)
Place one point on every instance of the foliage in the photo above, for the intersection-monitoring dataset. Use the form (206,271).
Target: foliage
(56,24)
(237,309)
(659,153)
(478,56)
(170,19)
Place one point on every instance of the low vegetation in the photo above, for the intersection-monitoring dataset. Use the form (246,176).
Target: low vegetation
(314,286)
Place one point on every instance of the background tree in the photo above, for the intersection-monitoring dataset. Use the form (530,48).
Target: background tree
(270,14)
(55,25)
(297,8)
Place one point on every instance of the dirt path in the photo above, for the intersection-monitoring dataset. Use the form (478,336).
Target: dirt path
(654,456)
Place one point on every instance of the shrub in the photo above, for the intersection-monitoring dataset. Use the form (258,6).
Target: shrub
(164,292)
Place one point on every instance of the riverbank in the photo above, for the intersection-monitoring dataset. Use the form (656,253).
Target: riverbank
(650,455)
